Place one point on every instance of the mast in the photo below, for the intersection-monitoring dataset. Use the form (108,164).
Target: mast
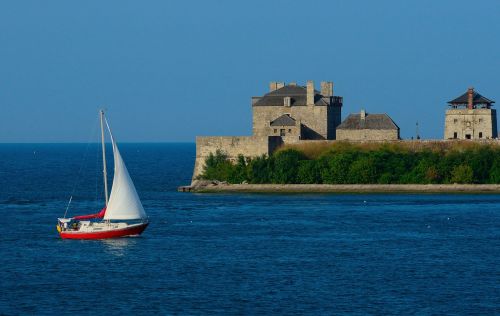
(104,171)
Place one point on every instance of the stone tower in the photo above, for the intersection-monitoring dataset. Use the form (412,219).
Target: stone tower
(470,117)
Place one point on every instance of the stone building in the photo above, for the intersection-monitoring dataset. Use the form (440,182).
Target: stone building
(297,113)
(470,117)
(286,114)
(366,127)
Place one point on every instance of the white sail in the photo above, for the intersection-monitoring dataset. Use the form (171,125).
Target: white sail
(124,203)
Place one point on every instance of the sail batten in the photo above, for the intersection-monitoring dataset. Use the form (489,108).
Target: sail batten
(124,202)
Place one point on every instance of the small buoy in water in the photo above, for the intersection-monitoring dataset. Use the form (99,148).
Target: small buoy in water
(448,218)
(428,226)
(364,201)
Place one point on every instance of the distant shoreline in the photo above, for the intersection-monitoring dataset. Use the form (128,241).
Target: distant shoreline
(342,188)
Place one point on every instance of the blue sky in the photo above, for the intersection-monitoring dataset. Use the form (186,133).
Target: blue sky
(171,70)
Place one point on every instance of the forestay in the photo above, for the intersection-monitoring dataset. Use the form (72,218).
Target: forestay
(124,203)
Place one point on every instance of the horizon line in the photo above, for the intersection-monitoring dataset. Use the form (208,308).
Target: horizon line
(107,142)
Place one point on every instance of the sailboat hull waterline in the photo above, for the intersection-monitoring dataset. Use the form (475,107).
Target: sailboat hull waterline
(123,215)
(111,232)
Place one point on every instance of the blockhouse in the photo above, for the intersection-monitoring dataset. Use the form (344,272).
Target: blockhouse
(470,116)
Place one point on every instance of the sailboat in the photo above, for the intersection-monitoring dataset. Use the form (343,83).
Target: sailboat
(123,214)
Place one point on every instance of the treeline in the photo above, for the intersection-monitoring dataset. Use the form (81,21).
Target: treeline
(354,164)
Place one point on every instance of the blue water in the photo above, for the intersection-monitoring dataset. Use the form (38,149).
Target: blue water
(237,254)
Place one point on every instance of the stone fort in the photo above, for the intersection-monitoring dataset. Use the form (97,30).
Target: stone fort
(286,114)
(291,113)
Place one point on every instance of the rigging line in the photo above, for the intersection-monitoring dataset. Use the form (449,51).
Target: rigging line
(110,134)
(81,168)
(67,206)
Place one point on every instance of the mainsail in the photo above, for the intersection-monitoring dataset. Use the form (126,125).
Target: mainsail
(124,203)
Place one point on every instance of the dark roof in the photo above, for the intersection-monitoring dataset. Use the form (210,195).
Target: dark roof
(476,99)
(297,94)
(284,120)
(371,121)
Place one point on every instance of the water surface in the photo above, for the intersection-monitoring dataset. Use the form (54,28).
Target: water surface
(237,253)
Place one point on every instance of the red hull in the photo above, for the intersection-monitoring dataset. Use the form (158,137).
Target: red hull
(130,231)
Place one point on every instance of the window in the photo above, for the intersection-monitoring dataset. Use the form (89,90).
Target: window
(455,135)
(275,130)
(480,134)
(282,132)
(468,124)
(455,121)
(289,130)
(467,136)
(480,120)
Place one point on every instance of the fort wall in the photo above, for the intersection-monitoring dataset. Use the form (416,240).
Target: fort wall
(233,146)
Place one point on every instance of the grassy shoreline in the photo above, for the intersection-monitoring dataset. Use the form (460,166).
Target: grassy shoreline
(345,188)
(346,163)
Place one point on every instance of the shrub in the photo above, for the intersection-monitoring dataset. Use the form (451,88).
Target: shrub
(432,175)
(239,171)
(341,162)
(334,167)
(286,166)
(217,167)
(309,172)
(258,170)
(362,171)
(494,172)
(462,174)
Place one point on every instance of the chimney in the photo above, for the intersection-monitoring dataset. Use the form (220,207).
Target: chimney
(327,88)
(310,93)
(363,114)
(279,85)
(470,98)
(272,86)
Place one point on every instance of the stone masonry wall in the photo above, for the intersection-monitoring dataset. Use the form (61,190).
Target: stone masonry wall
(367,134)
(314,117)
(233,146)
(470,122)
